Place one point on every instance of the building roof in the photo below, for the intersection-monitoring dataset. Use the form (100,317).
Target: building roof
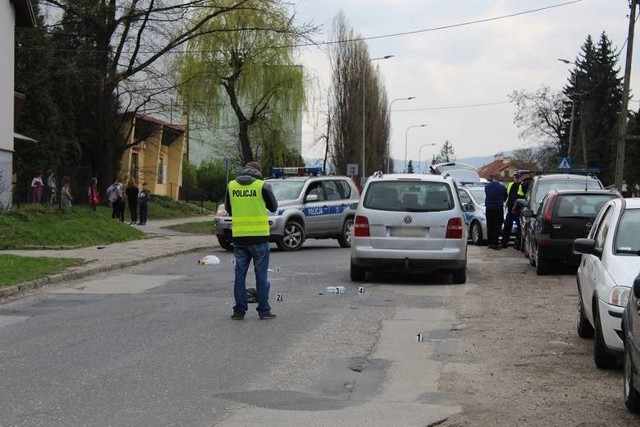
(497,166)
(149,119)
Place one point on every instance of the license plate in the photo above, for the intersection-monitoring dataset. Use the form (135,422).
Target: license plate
(408,232)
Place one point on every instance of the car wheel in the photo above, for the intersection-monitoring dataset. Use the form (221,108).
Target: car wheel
(345,237)
(631,394)
(585,330)
(601,356)
(357,274)
(542,264)
(293,237)
(532,259)
(476,234)
(459,277)
(225,243)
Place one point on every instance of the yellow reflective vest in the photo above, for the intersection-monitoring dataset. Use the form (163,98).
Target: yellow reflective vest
(249,212)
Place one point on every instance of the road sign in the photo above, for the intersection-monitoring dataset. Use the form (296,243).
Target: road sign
(352,169)
(564,163)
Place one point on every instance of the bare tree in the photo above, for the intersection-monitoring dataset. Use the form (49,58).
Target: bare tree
(352,74)
(118,48)
(539,115)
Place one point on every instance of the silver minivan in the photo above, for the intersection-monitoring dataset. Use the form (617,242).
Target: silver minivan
(409,222)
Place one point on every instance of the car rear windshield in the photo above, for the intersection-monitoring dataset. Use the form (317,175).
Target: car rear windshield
(581,205)
(628,237)
(285,189)
(409,196)
(564,184)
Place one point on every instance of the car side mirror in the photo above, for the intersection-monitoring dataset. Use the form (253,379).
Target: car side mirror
(311,198)
(636,287)
(522,202)
(586,246)
(468,207)
(528,213)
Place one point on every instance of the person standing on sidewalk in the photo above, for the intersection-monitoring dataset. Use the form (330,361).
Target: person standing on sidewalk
(143,203)
(132,192)
(495,195)
(247,200)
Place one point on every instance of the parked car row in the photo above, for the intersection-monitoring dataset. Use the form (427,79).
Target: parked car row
(571,219)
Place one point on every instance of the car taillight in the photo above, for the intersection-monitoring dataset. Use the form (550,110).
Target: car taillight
(361,227)
(548,210)
(454,229)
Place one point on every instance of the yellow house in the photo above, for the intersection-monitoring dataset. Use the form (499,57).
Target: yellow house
(154,154)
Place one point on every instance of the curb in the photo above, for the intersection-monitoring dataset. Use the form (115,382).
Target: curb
(21,288)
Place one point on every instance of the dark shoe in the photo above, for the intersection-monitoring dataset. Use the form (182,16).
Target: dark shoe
(267,316)
(237,316)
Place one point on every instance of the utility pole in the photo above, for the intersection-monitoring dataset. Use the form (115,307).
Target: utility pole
(622,135)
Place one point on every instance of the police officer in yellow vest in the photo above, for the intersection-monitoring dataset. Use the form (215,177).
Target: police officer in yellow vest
(247,200)
(513,211)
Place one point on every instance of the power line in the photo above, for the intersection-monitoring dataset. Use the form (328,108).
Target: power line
(376,37)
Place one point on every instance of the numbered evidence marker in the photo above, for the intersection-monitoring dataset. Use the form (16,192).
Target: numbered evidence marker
(419,337)
(209,260)
(361,290)
(279,297)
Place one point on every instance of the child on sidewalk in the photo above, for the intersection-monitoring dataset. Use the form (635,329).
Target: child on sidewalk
(143,203)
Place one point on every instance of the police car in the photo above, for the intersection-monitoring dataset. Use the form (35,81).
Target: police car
(310,205)
(475,213)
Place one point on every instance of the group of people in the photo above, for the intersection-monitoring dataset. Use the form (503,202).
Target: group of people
(497,199)
(45,190)
(138,201)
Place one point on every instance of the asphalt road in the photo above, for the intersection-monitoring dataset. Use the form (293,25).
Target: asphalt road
(153,345)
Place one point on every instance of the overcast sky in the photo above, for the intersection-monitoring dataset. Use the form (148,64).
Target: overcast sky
(468,65)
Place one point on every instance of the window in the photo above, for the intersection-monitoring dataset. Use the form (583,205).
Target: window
(161,170)
(464,197)
(331,188)
(344,188)
(628,234)
(603,228)
(316,188)
(423,196)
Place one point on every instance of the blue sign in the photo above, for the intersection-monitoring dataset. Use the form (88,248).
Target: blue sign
(564,163)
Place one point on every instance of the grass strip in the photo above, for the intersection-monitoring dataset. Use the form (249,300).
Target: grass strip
(202,227)
(16,269)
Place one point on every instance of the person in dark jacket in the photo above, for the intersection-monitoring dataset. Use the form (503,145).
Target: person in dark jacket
(513,212)
(132,197)
(247,200)
(495,195)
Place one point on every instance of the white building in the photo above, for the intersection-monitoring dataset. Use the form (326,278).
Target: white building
(13,13)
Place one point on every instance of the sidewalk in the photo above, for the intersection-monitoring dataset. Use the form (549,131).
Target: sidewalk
(159,243)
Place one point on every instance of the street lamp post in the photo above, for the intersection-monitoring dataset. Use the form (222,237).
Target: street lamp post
(420,154)
(406,138)
(571,121)
(364,115)
(409,98)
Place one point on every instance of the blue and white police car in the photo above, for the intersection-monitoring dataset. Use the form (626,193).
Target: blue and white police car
(310,205)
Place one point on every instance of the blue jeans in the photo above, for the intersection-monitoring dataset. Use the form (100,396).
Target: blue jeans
(243,255)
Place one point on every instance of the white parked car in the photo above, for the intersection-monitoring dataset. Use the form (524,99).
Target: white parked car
(409,223)
(609,265)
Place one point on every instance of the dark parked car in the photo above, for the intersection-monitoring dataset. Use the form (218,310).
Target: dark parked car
(631,333)
(538,189)
(563,216)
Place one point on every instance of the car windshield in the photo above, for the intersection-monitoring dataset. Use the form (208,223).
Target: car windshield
(563,184)
(286,189)
(628,234)
(581,205)
(414,196)
(478,194)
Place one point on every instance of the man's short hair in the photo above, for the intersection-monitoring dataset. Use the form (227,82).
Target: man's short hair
(254,165)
